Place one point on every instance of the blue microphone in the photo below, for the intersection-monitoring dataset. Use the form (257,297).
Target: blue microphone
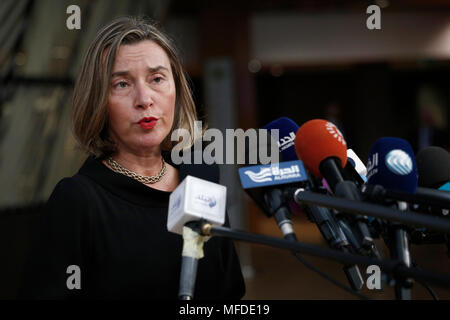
(287,131)
(266,185)
(394,173)
(392,165)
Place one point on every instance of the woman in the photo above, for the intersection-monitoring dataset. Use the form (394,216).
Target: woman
(103,233)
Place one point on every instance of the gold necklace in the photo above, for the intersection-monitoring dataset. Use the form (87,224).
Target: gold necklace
(117,167)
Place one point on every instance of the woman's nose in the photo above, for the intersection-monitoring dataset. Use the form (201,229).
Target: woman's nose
(144,96)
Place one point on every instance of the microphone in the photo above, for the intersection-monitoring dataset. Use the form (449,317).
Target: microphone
(271,187)
(445,187)
(287,131)
(322,217)
(194,200)
(322,148)
(266,184)
(392,165)
(355,170)
(357,164)
(433,164)
(430,200)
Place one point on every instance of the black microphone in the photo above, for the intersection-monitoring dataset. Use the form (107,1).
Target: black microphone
(433,164)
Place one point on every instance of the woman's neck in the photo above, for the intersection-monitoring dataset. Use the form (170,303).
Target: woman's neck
(148,164)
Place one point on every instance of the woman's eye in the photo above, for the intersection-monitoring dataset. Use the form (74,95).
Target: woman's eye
(157,79)
(120,85)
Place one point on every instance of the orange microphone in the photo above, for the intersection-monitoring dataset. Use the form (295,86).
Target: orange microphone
(320,144)
(323,150)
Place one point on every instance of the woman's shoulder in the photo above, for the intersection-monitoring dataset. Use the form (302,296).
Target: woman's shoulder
(78,185)
(71,190)
(77,182)
(68,204)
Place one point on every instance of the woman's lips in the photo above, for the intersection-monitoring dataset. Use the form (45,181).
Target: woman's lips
(148,123)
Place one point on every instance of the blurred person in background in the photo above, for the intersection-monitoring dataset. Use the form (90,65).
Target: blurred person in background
(432,114)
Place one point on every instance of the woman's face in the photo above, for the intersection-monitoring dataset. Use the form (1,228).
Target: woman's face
(142,98)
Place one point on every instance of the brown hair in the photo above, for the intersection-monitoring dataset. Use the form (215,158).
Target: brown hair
(90,97)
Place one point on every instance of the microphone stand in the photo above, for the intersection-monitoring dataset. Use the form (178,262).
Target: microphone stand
(335,235)
(192,251)
(399,248)
(389,266)
(377,211)
(348,190)
(399,240)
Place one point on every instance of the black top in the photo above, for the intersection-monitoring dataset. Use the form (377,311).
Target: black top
(115,230)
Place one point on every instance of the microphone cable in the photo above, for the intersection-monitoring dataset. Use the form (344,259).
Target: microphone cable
(292,237)
(425,285)
(285,224)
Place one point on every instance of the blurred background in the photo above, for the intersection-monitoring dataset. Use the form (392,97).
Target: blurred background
(249,62)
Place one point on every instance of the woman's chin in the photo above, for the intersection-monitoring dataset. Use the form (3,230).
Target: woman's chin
(149,144)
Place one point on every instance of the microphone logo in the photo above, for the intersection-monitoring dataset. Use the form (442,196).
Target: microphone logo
(176,204)
(334,131)
(399,162)
(209,201)
(274,173)
(286,142)
(263,175)
(372,165)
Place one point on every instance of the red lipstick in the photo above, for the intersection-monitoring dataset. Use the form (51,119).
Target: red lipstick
(148,122)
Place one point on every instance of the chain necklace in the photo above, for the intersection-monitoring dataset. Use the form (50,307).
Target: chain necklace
(117,167)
